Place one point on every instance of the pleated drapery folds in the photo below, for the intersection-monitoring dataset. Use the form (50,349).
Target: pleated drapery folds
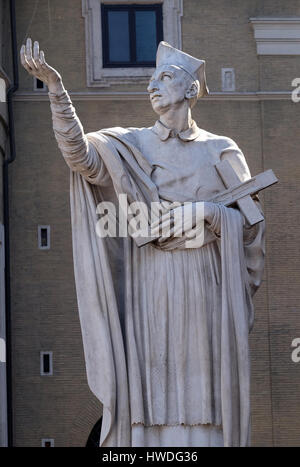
(222,368)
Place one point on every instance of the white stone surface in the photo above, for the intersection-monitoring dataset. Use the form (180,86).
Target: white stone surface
(228,79)
(277,36)
(2,90)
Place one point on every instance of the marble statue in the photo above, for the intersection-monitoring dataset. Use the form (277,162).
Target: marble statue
(165,326)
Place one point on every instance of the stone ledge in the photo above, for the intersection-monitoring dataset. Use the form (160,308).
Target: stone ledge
(277,36)
(130,96)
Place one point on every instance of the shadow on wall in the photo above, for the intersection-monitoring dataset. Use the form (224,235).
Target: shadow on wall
(94,437)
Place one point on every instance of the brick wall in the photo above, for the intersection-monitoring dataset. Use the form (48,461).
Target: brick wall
(44,302)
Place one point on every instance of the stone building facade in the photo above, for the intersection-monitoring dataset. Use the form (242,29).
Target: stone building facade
(5,84)
(252,58)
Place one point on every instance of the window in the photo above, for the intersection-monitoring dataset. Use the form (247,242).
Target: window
(39,85)
(47,443)
(102,74)
(228,79)
(44,237)
(46,364)
(2,350)
(131,34)
(2,90)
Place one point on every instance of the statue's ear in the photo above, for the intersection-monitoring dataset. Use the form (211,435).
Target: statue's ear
(192,91)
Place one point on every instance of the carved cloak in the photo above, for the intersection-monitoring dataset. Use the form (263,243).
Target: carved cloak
(99,284)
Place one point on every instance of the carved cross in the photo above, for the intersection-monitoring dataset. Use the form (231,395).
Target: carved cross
(241,192)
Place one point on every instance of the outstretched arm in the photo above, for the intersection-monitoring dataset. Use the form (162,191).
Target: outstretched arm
(79,154)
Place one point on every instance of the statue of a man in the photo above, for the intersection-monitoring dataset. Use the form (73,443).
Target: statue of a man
(165,327)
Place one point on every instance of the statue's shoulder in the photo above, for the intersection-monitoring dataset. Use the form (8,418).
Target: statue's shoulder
(131,134)
(220,142)
(224,148)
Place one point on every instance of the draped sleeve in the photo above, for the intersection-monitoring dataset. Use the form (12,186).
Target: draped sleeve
(79,153)
(253,236)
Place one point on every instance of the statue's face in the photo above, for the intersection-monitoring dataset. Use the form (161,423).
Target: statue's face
(167,87)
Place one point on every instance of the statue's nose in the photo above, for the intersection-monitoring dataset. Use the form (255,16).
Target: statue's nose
(152,86)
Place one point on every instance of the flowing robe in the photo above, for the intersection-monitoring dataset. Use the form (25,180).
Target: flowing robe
(167,350)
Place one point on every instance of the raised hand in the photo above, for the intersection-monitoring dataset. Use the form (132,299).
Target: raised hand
(37,66)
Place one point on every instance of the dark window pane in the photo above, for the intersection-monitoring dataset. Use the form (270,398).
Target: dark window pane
(118,36)
(145,23)
(39,84)
(46,363)
(44,237)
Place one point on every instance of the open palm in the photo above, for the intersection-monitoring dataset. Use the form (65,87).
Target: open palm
(34,62)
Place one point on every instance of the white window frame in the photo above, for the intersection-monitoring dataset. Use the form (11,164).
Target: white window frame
(47,227)
(42,353)
(47,440)
(35,88)
(226,88)
(97,76)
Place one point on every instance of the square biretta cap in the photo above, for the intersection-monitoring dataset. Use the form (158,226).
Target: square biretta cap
(168,55)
